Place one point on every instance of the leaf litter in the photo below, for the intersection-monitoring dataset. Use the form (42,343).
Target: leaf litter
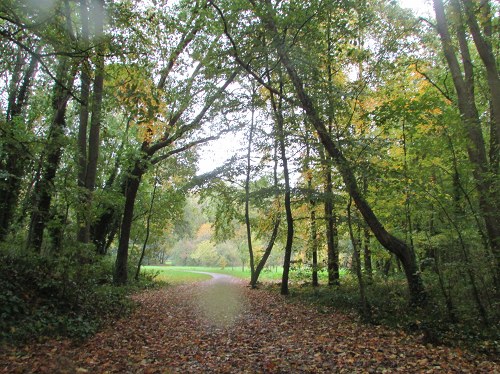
(222,326)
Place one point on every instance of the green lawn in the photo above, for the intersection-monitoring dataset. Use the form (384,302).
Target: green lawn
(172,275)
(180,274)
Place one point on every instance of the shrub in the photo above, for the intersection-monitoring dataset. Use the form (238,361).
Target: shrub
(68,295)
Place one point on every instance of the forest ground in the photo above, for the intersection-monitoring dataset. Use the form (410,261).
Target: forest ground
(222,326)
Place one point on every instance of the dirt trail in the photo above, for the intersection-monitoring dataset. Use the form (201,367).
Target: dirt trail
(221,326)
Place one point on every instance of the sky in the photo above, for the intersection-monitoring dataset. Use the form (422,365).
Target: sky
(420,7)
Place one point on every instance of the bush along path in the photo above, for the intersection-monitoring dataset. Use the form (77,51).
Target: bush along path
(221,326)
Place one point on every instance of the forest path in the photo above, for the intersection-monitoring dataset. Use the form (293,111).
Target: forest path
(222,326)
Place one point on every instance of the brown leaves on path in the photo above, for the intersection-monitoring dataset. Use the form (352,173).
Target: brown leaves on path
(224,327)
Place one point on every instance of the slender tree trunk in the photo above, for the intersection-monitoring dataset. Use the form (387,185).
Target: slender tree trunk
(274,235)
(312,220)
(314,244)
(43,188)
(97,96)
(277,109)
(267,253)
(331,220)
(289,217)
(148,226)
(82,233)
(331,225)
(247,193)
(409,223)
(445,292)
(365,306)
(367,255)
(390,242)
(95,122)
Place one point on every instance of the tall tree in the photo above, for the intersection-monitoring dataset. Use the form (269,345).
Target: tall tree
(89,154)
(277,106)
(485,169)
(44,187)
(405,254)
(247,184)
(276,220)
(313,230)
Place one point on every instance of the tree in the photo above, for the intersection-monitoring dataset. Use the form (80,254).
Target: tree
(485,170)
(88,155)
(43,189)
(270,19)
(277,107)
(154,140)
(14,162)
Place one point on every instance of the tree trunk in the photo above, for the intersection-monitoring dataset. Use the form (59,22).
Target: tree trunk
(95,123)
(106,226)
(267,252)
(132,186)
(148,226)
(82,233)
(247,195)
(390,242)
(274,235)
(367,255)
(277,109)
(330,218)
(365,306)
(331,225)
(312,220)
(487,55)
(43,187)
(491,205)
(314,247)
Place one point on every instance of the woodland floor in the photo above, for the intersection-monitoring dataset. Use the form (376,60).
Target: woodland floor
(221,326)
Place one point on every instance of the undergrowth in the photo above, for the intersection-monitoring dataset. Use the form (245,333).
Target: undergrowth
(68,295)
(389,306)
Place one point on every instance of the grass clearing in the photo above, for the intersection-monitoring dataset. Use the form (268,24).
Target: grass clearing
(171,275)
(180,274)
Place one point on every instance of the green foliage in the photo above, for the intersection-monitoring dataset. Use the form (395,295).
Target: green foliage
(65,296)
